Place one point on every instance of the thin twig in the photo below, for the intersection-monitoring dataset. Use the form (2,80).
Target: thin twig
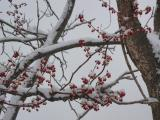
(132,73)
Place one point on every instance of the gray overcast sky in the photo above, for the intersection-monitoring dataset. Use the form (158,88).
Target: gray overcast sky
(61,110)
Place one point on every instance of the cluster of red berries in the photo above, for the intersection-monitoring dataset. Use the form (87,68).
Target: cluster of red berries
(11,64)
(87,105)
(140,12)
(35,104)
(49,69)
(110,8)
(87,89)
(81,43)
(106,100)
(81,18)
(18,17)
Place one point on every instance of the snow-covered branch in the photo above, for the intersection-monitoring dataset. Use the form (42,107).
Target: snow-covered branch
(20,39)
(54,94)
(54,35)
(13,27)
(121,77)
(87,91)
(52,49)
(149,100)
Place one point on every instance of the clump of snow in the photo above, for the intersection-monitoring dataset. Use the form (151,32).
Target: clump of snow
(155,42)
(123,28)
(2,97)
(34,29)
(2,68)
(158,71)
(125,18)
(152,100)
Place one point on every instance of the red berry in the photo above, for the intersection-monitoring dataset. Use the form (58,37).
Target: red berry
(147,10)
(108,74)
(72,86)
(81,43)
(2,74)
(85,81)
(122,93)
(16,54)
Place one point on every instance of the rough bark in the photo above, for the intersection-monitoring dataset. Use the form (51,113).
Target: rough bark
(140,51)
(157,17)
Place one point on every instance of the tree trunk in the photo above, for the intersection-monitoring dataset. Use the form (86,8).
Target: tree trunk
(157,17)
(140,51)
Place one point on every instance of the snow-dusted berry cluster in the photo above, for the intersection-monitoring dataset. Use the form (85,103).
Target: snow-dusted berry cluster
(17,16)
(95,94)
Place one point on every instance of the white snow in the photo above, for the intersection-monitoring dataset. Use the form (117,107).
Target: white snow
(123,28)
(34,29)
(19,39)
(53,49)
(125,18)
(158,71)
(15,99)
(52,34)
(152,100)
(11,109)
(155,42)
(2,68)
(2,97)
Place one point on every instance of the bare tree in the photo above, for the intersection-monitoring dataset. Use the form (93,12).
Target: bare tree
(34,75)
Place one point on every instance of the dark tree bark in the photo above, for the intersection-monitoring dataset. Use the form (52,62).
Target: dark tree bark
(157,17)
(140,50)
